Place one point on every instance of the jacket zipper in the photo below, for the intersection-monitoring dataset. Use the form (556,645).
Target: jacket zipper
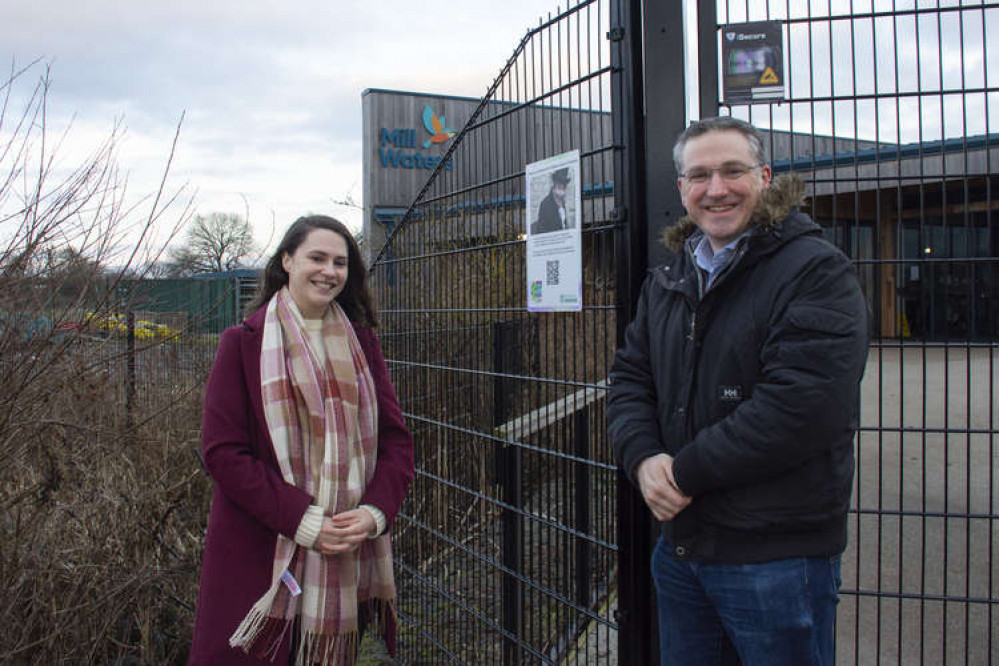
(740,252)
(694,359)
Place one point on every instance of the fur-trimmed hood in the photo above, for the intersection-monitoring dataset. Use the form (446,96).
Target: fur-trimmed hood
(784,194)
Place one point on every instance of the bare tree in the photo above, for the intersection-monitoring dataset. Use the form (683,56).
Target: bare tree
(214,242)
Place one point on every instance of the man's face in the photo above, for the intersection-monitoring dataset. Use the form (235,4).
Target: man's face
(721,206)
(558,192)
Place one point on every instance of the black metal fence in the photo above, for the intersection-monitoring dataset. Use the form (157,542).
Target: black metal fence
(506,547)
(517,544)
(154,340)
(891,116)
(143,347)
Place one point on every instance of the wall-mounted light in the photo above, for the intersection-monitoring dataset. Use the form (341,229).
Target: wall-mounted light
(927,250)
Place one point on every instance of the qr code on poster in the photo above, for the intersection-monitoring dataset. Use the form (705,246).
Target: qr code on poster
(551,273)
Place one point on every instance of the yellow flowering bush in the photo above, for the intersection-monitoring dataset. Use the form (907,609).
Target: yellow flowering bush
(117,322)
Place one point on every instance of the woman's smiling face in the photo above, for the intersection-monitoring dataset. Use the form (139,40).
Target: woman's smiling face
(317,271)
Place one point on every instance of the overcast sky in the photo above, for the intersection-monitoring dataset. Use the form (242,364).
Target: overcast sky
(271,91)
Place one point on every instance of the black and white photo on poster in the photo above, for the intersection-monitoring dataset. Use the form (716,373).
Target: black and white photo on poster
(554,236)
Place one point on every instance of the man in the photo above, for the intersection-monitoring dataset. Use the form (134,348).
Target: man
(733,406)
(551,213)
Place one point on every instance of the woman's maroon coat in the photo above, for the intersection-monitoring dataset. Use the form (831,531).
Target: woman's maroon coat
(252,502)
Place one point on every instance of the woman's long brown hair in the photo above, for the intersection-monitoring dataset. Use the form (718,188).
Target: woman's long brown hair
(355,299)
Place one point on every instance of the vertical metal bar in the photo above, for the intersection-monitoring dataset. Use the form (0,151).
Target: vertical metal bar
(582,494)
(927,277)
(552,486)
(707,58)
(992,249)
(877,254)
(130,370)
(899,265)
(970,333)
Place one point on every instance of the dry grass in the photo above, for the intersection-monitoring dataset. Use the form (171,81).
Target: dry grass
(100,541)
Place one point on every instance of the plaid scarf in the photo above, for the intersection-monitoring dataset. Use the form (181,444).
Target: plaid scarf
(322,419)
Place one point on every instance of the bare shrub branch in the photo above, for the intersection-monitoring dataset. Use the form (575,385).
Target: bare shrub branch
(101,512)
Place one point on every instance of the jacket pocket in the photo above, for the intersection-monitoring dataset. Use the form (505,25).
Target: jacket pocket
(818,341)
(820,320)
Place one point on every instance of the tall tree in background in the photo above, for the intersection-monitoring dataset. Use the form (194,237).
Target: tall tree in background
(214,242)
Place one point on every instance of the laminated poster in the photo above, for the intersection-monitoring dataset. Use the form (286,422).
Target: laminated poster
(554,234)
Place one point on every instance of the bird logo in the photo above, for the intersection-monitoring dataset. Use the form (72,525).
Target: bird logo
(436,127)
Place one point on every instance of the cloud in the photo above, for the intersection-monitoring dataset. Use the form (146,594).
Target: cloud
(270,91)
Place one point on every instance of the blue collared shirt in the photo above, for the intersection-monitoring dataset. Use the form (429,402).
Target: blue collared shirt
(712,262)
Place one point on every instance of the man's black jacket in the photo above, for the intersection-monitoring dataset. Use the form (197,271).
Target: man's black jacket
(752,385)
(548,217)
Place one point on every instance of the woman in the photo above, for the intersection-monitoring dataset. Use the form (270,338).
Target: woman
(303,437)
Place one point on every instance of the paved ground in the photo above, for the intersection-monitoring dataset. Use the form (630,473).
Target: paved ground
(942,463)
(919,453)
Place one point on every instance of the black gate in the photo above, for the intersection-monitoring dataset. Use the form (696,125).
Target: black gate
(519,543)
(506,549)
(891,116)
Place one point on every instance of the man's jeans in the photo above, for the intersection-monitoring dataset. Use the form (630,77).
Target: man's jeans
(780,612)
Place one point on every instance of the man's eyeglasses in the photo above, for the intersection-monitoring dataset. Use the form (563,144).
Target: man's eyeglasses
(729,172)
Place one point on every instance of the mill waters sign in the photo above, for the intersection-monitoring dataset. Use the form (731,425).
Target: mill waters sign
(402,148)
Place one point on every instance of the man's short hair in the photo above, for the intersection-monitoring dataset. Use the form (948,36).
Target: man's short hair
(719,124)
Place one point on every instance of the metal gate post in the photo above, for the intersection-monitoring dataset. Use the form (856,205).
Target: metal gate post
(581,437)
(635,624)
(707,57)
(665,118)
(649,76)
(130,369)
(510,469)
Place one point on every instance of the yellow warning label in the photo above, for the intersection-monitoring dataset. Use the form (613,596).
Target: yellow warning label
(769,76)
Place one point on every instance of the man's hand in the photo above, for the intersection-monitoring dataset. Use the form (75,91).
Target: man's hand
(655,478)
(344,532)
